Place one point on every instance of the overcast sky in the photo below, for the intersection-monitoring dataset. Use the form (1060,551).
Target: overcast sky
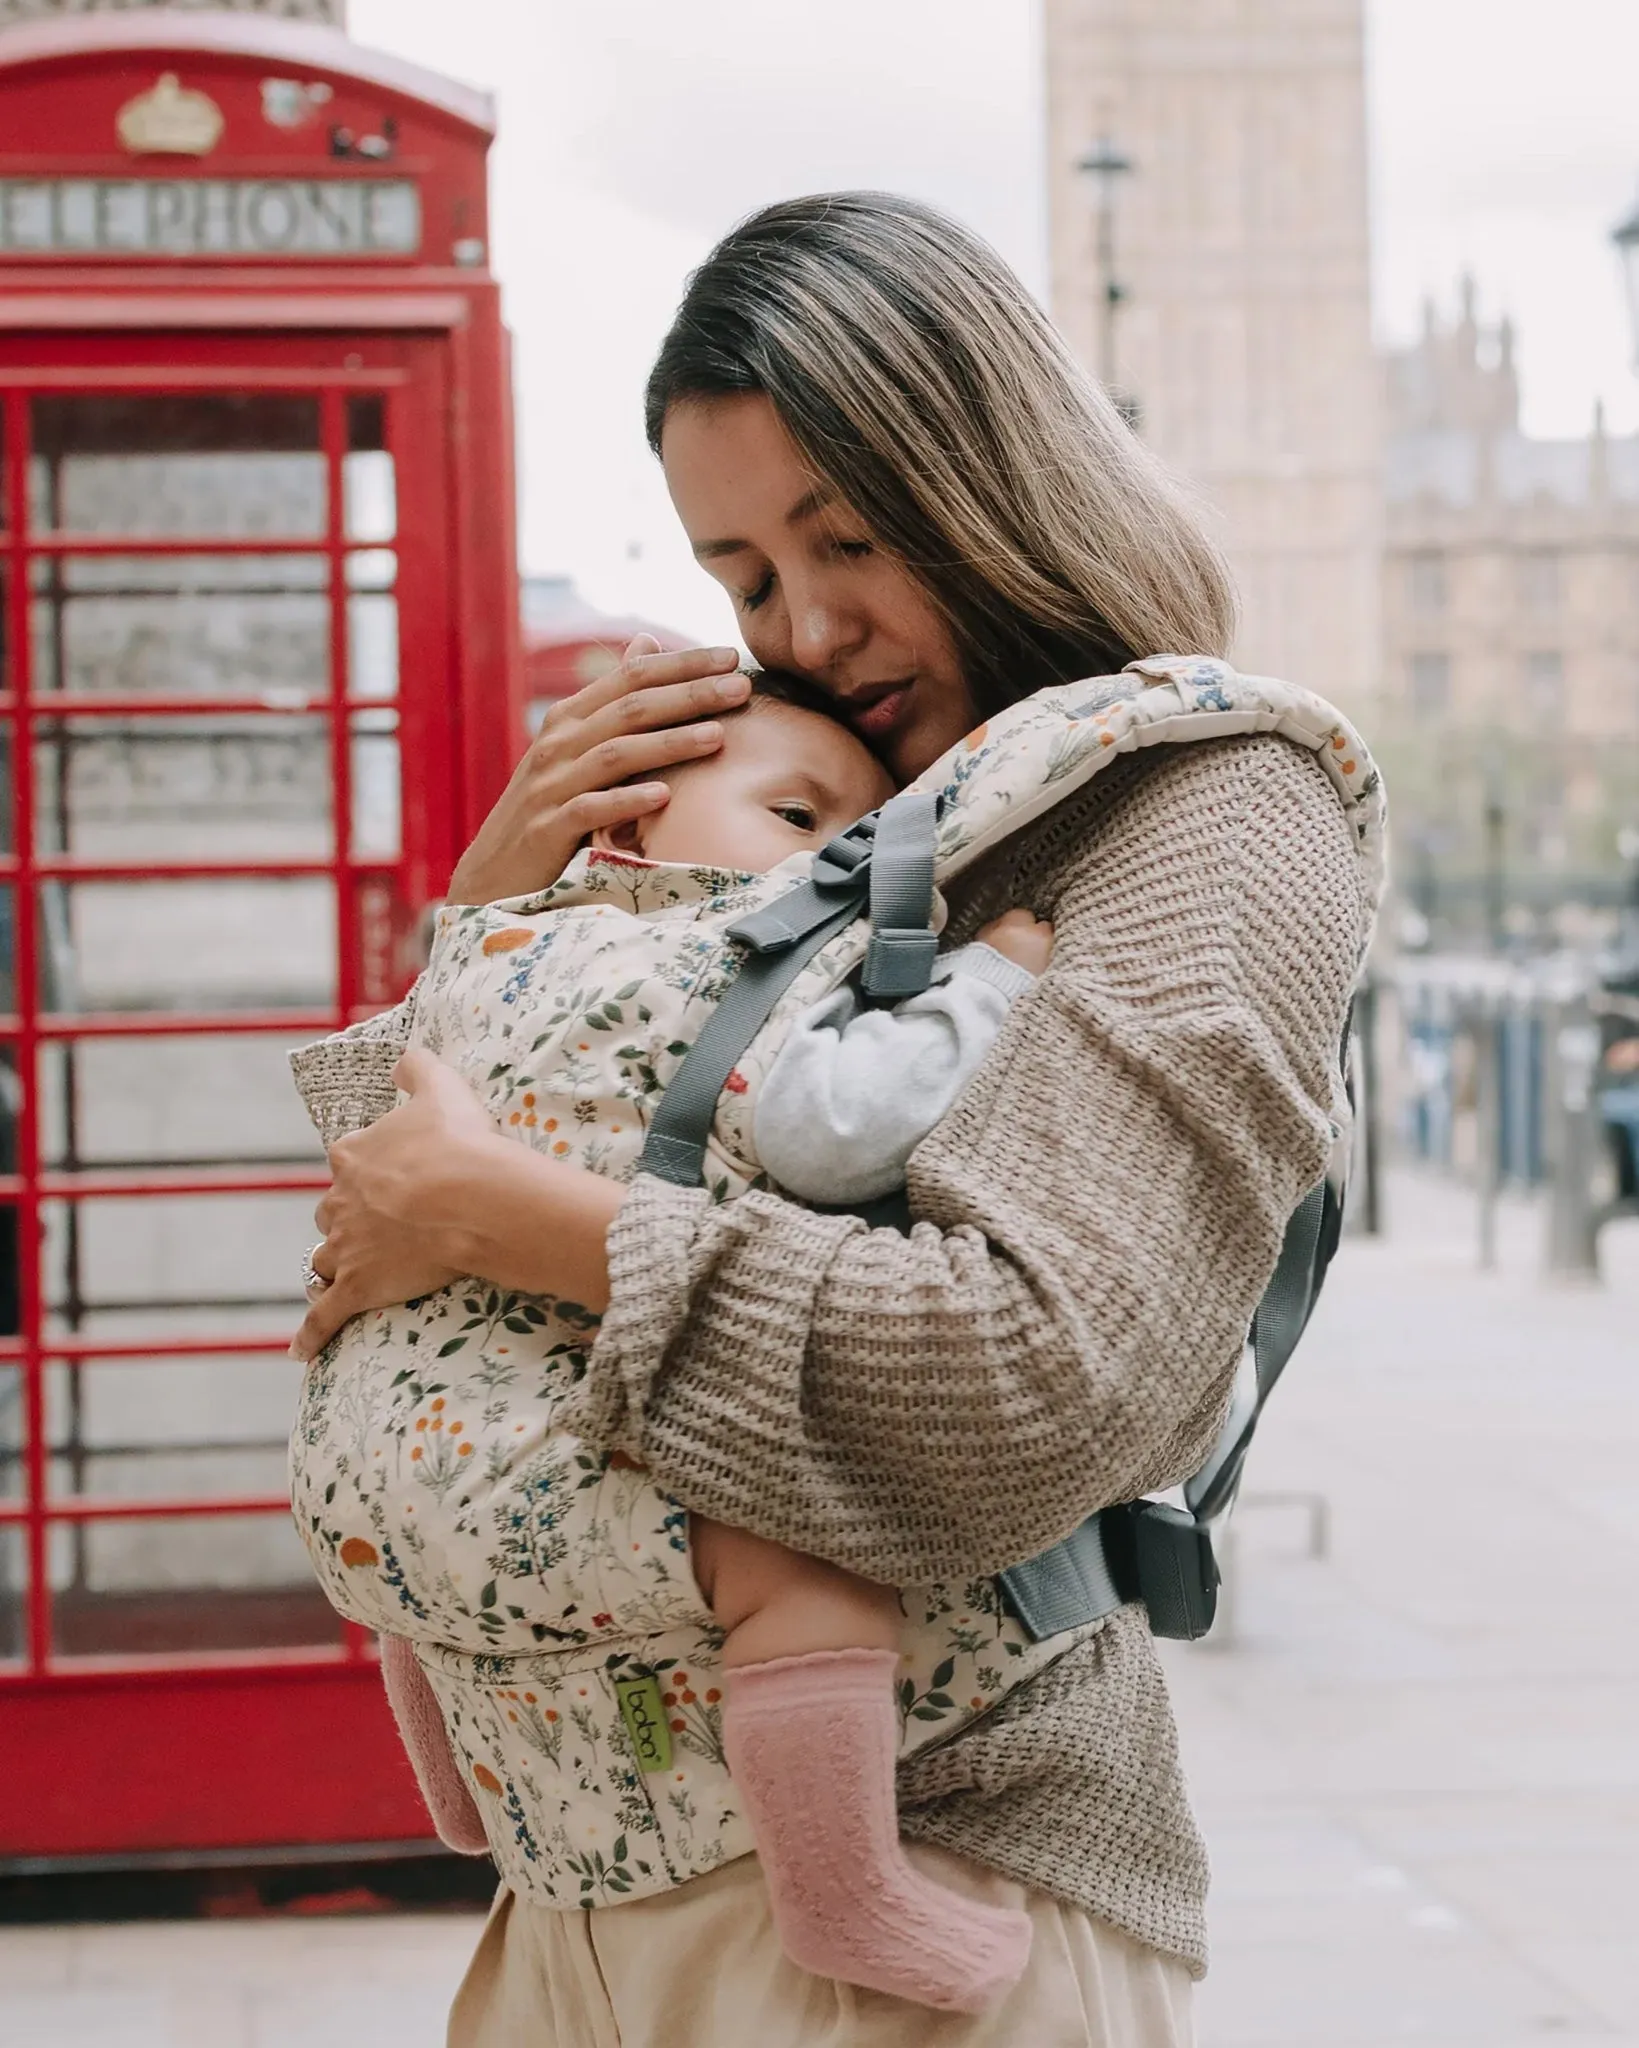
(1505,138)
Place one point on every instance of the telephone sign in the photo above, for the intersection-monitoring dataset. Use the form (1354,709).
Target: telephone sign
(249,217)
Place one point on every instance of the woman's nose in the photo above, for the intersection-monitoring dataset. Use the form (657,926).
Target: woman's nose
(820,633)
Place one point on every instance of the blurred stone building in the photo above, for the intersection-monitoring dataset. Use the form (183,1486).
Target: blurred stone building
(1511,611)
(1244,337)
(1511,573)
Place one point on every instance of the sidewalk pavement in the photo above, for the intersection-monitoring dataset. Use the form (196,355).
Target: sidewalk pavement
(1417,1758)
(1417,1761)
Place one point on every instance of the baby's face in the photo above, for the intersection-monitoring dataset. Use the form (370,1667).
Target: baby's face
(785,781)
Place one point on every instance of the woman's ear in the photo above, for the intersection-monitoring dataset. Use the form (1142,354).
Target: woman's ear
(626,837)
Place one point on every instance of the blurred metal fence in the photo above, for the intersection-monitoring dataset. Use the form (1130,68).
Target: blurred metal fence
(1523,1075)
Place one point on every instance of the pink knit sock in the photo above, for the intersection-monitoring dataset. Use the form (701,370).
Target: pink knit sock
(420,1722)
(811,1743)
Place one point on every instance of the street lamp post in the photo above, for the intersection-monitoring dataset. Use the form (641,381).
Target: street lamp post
(1626,238)
(1106,166)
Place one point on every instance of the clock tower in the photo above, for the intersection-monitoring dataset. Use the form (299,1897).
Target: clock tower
(1225,200)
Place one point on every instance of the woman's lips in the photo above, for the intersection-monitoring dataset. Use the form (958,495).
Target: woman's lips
(883,713)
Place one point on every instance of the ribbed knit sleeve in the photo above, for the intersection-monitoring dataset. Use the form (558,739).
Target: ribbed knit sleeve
(1102,1207)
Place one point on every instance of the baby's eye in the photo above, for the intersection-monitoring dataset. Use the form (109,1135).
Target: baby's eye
(803,816)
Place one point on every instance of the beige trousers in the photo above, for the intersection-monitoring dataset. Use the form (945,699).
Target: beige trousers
(700,1967)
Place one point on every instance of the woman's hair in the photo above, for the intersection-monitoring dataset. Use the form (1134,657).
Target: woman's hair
(919,379)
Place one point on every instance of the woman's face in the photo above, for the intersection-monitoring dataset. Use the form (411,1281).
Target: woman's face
(812,591)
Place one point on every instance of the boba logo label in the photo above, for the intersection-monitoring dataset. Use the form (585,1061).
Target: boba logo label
(644,1712)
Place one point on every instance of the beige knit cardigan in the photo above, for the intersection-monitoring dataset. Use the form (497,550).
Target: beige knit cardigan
(1102,1210)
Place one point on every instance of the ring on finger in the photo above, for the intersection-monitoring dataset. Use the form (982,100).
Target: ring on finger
(313,1281)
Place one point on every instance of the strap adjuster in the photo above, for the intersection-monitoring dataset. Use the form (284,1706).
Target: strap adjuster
(899,962)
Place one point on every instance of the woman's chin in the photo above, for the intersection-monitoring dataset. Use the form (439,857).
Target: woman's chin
(924,736)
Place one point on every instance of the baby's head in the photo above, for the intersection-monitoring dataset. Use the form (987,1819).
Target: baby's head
(790,775)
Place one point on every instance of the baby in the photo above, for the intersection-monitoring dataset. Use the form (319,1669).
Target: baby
(811,1651)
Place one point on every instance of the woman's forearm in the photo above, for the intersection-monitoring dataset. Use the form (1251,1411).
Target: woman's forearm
(1108,1197)
(529,1223)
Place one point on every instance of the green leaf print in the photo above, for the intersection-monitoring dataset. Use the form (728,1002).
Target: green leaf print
(454,1344)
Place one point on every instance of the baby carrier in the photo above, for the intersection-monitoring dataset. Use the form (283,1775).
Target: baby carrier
(883,869)
(439,1503)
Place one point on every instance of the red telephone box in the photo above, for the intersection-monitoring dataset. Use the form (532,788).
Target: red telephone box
(259,628)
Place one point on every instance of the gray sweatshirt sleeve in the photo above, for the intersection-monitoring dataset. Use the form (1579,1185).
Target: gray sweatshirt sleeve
(853,1092)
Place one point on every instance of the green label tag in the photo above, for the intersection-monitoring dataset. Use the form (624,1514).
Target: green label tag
(644,1712)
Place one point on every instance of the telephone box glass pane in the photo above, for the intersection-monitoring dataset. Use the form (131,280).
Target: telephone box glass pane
(13,1595)
(8,986)
(186,1100)
(148,1268)
(377,798)
(6,792)
(372,644)
(176,1585)
(211,788)
(167,626)
(369,483)
(247,943)
(233,465)
(188,1428)
(11,1430)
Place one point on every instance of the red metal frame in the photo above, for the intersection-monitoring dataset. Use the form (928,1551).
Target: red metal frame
(128,1755)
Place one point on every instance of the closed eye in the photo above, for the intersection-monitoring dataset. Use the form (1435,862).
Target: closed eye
(751,600)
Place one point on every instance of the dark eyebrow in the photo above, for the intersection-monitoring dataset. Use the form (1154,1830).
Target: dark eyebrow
(806,506)
(809,503)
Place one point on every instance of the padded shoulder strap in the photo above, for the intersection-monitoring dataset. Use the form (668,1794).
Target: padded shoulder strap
(886,860)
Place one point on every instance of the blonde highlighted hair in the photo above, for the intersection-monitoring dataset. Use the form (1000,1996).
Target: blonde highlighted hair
(920,380)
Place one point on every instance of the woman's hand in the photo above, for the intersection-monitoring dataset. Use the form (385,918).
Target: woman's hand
(391,1221)
(640,718)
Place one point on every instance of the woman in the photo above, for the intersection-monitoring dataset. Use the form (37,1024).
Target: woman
(878,444)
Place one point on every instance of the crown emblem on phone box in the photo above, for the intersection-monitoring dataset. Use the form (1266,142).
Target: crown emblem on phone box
(170,119)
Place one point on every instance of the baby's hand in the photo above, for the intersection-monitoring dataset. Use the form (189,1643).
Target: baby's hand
(1025,940)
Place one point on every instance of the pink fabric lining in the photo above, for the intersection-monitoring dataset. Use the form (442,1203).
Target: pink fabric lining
(421,1724)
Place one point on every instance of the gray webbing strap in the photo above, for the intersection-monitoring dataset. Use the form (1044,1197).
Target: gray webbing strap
(675,1149)
(1067,1586)
(1281,1318)
(1074,1583)
(903,946)
(781,939)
